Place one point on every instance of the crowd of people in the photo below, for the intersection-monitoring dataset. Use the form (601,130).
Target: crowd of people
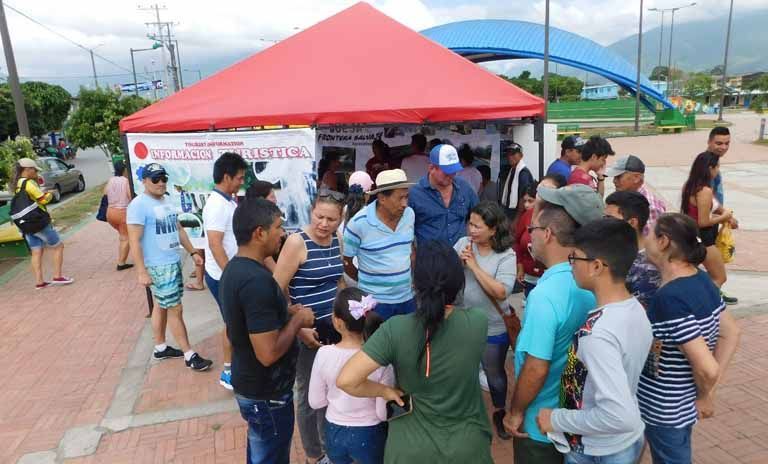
(395,297)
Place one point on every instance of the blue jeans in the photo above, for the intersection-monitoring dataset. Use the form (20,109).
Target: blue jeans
(270,429)
(213,286)
(494,360)
(387,310)
(669,445)
(630,455)
(363,445)
(48,237)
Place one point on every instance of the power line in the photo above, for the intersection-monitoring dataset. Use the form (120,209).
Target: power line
(62,36)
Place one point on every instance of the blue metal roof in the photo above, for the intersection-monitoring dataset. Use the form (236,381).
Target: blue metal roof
(497,39)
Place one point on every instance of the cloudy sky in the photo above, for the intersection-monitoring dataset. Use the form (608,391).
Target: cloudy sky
(213,34)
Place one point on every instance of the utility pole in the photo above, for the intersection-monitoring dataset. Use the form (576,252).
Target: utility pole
(93,66)
(159,26)
(178,62)
(172,49)
(639,60)
(545,78)
(725,64)
(13,76)
(670,81)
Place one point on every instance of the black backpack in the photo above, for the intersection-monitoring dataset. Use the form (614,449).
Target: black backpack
(26,213)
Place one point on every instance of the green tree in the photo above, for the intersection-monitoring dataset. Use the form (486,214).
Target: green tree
(10,152)
(698,85)
(94,123)
(759,101)
(47,108)
(660,73)
(559,86)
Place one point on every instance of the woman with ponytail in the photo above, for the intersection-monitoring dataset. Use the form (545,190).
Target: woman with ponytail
(355,428)
(436,353)
(695,339)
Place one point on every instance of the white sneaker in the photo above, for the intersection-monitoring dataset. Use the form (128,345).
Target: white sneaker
(484,381)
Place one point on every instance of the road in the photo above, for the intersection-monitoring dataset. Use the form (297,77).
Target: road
(95,168)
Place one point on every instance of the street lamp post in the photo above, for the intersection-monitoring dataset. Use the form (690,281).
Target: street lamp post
(155,46)
(639,60)
(661,42)
(725,64)
(671,38)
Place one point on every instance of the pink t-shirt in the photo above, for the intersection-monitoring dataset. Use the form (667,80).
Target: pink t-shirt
(344,409)
(118,192)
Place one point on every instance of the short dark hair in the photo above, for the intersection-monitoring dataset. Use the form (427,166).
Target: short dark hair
(598,146)
(485,171)
(683,234)
(434,142)
(465,154)
(611,240)
(251,214)
(259,189)
(557,219)
(631,205)
(718,130)
(230,164)
(119,167)
(494,217)
(419,141)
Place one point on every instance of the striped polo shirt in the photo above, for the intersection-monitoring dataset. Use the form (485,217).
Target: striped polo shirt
(383,254)
(317,279)
(682,310)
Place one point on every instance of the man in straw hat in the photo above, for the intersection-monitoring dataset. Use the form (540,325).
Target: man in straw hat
(381,237)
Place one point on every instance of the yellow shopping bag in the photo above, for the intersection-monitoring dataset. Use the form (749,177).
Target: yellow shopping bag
(726,243)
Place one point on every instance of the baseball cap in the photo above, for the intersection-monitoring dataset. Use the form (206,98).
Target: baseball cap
(28,163)
(390,180)
(572,142)
(153,170)
(580,202)
(445,157)
(513,148)
(629,163)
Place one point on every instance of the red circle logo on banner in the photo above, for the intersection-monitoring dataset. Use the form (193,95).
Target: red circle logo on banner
(140,150)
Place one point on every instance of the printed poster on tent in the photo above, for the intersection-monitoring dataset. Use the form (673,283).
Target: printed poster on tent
(285,158)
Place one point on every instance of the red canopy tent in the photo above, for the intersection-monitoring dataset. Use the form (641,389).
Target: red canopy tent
(357,67)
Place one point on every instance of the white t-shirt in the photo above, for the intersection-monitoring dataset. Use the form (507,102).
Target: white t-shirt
(415,167)
(217,216)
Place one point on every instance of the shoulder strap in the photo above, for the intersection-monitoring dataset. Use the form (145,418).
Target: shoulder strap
(492,300)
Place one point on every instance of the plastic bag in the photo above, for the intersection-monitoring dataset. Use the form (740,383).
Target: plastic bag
(726,243)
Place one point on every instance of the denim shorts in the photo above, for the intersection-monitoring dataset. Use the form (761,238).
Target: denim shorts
(669,445)
(47,237)
(167,284)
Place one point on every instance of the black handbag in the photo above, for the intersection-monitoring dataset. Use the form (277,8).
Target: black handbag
(101,215)
(26,213)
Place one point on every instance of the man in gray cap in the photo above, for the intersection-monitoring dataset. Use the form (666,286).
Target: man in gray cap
(555,309)
(628,174)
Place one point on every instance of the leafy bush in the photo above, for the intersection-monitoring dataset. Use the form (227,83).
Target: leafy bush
(11,151)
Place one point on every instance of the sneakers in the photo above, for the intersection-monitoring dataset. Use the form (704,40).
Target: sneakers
(729,300)
(167,353)
(226,379)
(198,363)
(62,280)
(42,286)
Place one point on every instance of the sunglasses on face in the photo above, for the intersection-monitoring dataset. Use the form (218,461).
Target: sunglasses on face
(158,179)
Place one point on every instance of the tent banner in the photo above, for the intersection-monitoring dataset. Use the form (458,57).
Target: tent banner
(353,144)
(285,158)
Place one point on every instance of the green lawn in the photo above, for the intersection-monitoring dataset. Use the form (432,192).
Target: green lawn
(79,208)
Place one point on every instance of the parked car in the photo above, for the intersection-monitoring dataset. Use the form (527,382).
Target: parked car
(59,177)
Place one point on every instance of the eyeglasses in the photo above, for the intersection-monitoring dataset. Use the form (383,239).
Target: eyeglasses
(332,194)
(572,258)
(530,229)
(158,179)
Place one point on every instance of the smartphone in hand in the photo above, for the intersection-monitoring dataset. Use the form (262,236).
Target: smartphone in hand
(395,411)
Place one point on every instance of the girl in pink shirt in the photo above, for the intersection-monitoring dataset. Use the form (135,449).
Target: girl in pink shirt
(355,428)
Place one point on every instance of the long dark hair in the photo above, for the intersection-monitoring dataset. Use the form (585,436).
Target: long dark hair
(493,217)
(438,277)
(698,178)
(683,234)
(355,202)
(367,324)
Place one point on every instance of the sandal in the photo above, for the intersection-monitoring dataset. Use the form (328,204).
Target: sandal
(193,287)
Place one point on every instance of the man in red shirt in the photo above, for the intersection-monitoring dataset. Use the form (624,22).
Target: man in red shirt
(589,170)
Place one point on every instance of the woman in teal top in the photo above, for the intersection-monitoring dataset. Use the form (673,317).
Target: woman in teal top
(436,352)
